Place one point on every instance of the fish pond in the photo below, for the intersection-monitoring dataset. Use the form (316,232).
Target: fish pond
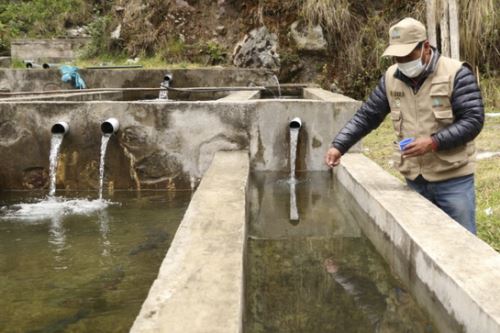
(317,273)
(77,264)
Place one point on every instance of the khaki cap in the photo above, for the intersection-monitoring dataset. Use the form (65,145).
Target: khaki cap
(404,36)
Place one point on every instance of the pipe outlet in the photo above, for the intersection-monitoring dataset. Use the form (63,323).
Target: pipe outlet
(60,127)
(295,123)
(110,126)
(168,77)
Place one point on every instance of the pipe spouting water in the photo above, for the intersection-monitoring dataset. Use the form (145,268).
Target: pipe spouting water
(58,131)
(60,127)
(167,79)
(295,123)
(110,126)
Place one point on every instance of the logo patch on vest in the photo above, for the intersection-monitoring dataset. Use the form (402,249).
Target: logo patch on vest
(437,102)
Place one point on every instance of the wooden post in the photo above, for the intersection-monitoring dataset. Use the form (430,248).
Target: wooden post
(445,32)
(431,21)
(454,31)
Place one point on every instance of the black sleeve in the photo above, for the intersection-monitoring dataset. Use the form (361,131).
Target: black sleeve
(367,118)
(467,106)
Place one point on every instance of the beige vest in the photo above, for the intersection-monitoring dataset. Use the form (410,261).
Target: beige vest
(422,114)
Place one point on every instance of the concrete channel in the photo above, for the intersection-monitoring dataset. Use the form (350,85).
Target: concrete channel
(453,275)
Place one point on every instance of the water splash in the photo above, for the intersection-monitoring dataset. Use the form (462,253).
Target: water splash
(278,84)
(55,144)
(104,144)
(52,208)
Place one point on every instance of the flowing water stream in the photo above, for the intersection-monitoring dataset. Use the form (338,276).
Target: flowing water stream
(55,144)
(104,144)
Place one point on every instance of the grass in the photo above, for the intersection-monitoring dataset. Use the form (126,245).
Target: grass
(378,147)
(148,63)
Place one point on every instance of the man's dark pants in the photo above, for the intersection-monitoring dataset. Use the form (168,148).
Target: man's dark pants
(456,197)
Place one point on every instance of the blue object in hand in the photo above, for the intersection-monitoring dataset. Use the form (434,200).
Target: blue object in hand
(405,142)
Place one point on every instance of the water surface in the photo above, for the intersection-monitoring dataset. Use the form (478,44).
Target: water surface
(83,265)
(317,274)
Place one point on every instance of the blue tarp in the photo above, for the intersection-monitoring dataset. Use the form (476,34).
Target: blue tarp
(70,74)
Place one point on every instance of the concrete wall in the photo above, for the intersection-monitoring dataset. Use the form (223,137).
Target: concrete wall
(200,284)
(160,145)
(451,273)
(50,50)
(5,62)
(50,79)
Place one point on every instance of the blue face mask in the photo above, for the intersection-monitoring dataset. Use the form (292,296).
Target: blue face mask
(412,68)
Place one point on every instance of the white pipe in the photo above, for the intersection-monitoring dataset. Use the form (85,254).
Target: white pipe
(168,77)
(295,123)
(110,126)
(60,127)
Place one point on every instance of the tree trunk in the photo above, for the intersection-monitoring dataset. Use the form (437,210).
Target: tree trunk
(431,21)
(454,31)
(445,32)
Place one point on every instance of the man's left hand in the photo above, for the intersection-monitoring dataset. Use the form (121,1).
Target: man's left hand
(418,147)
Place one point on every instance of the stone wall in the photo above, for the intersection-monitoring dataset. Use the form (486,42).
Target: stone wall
(47,50)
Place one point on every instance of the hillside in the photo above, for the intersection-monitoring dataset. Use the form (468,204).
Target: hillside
(331,42)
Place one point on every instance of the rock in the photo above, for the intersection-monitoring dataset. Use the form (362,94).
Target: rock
(335,89)
(308,38)
(257,50)
(77,32)
(117,32)
(221,30)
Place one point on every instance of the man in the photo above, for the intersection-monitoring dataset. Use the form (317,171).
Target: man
(434,100)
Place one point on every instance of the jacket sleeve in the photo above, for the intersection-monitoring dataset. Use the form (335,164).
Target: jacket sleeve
(468,110)
(367,118)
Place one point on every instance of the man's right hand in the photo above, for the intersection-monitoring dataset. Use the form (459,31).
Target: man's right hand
(332,157)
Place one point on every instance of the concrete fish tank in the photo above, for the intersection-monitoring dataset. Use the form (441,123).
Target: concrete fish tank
(212,211)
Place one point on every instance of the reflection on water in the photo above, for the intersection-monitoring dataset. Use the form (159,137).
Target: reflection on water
(321,275)
(73,269)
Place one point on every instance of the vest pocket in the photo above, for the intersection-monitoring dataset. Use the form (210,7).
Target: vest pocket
(398,161)
(443,117)
(396,121)
(450,159)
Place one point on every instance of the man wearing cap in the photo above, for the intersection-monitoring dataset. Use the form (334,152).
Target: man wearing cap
(436,103)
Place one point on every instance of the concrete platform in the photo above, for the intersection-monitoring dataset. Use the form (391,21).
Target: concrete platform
(200,284)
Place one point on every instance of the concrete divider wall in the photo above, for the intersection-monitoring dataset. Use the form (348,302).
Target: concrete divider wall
(50,79)
(200,284)
(454,275)
(159,145)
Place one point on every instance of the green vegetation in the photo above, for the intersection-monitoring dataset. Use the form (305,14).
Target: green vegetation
(378,147)
(39,18)
(215,52)
(100,42)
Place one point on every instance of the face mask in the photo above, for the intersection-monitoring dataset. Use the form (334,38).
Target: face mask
(412,68)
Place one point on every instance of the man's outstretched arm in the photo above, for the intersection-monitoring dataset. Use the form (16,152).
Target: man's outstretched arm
(367,118)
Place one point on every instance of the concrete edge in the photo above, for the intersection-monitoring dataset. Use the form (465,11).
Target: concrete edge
(450,271)
(200,284)
(241,95)
(325,95)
